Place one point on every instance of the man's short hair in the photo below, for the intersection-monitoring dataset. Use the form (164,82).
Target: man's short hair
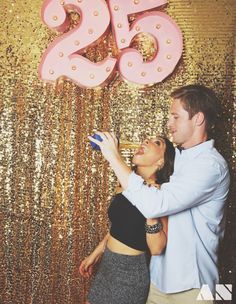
(198,98)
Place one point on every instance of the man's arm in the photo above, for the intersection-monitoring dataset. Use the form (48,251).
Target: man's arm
(194,187)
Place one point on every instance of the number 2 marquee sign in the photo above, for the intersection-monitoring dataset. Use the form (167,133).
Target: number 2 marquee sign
(63,57)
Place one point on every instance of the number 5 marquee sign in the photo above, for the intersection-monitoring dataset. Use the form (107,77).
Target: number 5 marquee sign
(63,57)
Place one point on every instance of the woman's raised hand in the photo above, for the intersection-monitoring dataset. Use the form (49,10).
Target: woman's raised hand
(108,145)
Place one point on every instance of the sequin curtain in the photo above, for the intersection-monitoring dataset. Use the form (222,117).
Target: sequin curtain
(54,189)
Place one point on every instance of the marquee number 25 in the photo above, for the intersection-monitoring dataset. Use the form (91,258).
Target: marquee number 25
(62,59)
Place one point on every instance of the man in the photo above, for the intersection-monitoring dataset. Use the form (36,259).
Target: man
(194,199)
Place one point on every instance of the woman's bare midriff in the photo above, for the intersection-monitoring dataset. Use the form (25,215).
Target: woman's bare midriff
(116,246)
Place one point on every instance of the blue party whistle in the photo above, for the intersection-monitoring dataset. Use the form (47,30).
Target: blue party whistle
(95,146)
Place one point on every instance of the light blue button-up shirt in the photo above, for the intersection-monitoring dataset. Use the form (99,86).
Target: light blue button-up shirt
(194,200)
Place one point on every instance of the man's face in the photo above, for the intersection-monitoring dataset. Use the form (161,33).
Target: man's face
(181,127)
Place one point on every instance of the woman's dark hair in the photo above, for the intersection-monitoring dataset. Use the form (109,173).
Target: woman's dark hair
(163,175)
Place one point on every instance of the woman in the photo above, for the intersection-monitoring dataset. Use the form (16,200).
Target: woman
(123,275)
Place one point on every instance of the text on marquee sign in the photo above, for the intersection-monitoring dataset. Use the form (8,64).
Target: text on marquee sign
(63,57)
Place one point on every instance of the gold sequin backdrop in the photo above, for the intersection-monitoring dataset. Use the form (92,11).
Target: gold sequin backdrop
(54,189)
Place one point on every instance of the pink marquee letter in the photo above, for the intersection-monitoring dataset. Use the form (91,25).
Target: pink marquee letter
(160,26)
(61,58)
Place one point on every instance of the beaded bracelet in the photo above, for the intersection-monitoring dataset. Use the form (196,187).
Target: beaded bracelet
(153,228)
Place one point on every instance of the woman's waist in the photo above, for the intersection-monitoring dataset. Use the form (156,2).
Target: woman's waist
(117,246)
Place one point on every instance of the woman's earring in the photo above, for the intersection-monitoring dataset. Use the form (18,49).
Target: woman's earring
(160,164)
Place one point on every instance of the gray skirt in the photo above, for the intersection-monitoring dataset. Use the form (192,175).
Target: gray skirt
(120,279)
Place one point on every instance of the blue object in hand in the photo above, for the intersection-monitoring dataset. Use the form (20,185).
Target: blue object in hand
(95,146)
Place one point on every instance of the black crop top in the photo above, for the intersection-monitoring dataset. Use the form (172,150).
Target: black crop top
(127,223)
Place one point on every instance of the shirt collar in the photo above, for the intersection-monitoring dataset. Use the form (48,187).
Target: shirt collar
(195,150)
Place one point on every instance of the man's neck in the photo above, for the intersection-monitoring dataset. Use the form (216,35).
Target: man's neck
(194,142)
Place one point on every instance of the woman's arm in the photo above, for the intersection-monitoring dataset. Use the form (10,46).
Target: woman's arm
(109,149)
(86,266)
(157,241)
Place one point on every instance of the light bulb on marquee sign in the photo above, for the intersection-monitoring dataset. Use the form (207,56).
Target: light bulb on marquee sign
(62,59)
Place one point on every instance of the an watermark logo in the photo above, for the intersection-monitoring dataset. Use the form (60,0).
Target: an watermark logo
(223,292)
